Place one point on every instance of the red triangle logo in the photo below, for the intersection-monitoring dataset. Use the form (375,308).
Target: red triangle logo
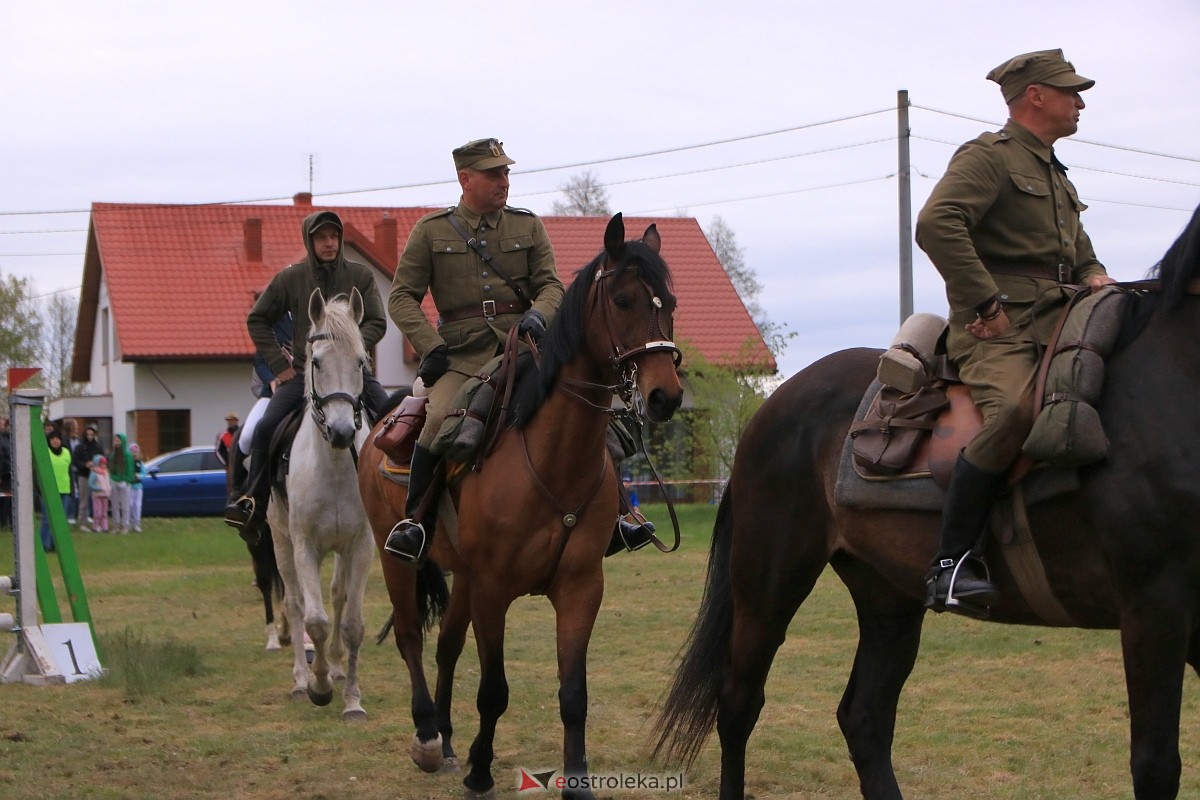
(527,782)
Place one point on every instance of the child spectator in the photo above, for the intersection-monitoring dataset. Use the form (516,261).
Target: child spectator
(101,488)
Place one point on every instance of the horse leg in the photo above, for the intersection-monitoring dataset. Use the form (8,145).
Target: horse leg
(889,636)
(337,599)
(319,687)
(293,607)
(352,569)
(576,602)
(1155,636)
(491,701)
(263,561)
(769,581)
(451,638)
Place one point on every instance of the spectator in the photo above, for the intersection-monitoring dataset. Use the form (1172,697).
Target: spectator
(225,438)
(82,457)
(70,441)
(135,488)
(5,474)
(60,466)
(120,474)
(101,488)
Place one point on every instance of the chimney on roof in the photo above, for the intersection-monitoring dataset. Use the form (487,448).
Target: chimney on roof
(252,234)
(385,239)
(302,198)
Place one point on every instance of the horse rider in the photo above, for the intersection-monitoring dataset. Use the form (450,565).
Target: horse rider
(326,268)
(489,266)
(1003,228)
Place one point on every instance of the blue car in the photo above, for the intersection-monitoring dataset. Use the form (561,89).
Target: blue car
(185,483)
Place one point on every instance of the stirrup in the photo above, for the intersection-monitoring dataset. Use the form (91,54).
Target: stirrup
(959,605)
(397,538)
(239,513)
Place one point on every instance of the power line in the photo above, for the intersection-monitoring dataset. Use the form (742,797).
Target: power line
(1079,139)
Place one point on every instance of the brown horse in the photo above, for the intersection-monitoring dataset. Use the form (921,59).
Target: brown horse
(1121,552)
(536,517)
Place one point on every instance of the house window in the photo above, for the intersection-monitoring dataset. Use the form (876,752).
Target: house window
(174,430)
(104,336)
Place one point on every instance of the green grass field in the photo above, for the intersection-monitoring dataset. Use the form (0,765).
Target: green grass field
(194,707)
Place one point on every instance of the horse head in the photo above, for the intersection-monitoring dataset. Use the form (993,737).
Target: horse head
(632,294)
(336,360)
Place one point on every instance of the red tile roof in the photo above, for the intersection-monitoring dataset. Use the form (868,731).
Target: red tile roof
(180,278)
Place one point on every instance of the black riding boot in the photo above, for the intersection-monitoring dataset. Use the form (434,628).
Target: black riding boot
(629,535)
(248,512)
(957,580)
(409,540)
(239,471)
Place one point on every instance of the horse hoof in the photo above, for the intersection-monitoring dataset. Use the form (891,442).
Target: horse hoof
(320,698)
(450,766)
(273,645)
(354,715)
(471,794)
(299,693)
(427,755)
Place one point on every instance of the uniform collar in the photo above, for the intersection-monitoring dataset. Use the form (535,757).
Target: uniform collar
(1019,133)
(473,218)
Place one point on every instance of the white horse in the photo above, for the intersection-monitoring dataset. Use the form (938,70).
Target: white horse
(323,512)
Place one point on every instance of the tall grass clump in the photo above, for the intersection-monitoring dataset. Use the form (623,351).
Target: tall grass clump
(142,667)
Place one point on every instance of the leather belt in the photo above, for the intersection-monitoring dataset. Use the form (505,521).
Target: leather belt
(488,308)
(1060,273)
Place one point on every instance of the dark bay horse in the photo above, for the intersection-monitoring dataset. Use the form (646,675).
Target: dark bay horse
(1122,552)
(538,514)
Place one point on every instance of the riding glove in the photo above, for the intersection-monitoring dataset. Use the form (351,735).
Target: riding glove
(434,365)
(533,323)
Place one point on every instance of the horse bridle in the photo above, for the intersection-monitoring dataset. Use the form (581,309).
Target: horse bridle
(658,339)
(317,401)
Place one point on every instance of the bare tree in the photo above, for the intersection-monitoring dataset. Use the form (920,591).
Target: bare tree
(724,243)
(585,197)
(58,345)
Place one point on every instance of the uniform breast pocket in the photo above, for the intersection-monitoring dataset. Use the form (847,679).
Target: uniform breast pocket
(514,255)
(1033,185)
(450,260)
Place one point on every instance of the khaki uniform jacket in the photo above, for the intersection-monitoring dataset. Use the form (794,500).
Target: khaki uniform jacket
(1005,200)
(290,290)
(436,259)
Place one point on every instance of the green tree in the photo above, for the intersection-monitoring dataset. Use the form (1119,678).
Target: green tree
(586,197)
(20,326)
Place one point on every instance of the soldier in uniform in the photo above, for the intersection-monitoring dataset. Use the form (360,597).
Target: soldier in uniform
(325,268)
(1002,227)
(478,301)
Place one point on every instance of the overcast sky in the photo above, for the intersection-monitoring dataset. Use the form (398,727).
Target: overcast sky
(156,102)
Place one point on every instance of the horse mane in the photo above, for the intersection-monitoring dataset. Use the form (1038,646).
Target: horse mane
(1175,271)
(565,334)
(341,326)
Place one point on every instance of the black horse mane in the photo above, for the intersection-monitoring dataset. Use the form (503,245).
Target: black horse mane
(1178,267)
(564,336)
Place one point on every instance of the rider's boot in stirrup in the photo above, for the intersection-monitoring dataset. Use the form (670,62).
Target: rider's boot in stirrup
(409,540)
(958,580)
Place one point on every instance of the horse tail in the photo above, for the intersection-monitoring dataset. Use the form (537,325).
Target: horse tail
(433,595)
(690,710)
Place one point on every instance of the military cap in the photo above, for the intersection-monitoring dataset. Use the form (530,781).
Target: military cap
(1042,66)
(481,154)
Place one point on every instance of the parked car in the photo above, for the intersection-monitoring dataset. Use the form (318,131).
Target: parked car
(185,483)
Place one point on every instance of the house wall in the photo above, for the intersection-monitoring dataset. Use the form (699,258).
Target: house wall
(395,364)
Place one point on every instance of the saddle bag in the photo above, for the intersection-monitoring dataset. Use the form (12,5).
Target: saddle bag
(912,359)
(886,439)
(401,429)
(1068,431)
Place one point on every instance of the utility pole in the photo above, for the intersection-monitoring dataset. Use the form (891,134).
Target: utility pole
(904,172)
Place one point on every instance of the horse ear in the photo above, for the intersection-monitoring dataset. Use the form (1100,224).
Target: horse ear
(614,237)
(316,306)
(651,238)
(356,305)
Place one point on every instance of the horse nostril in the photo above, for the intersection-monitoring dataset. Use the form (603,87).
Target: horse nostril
(661,406)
